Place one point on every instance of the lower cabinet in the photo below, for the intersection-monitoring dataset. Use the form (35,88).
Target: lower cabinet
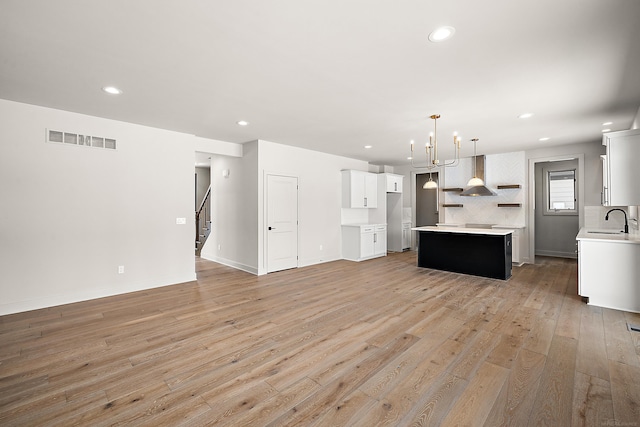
(380,240)
(517,242)
(406,235)
(608,275)
(364,241)
(367,246)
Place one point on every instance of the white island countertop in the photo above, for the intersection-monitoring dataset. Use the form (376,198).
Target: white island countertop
(486,231)
(364,224)
(606,235)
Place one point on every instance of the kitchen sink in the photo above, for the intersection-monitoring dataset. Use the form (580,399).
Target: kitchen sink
(604,232)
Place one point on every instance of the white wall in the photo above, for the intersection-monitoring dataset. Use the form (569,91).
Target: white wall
(72,214)
(319,198)
(238,219)
(636,120)
(234,211)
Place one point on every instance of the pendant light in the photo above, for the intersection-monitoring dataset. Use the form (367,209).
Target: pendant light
(431,184)
(476,184)
(431,154)
(475,181)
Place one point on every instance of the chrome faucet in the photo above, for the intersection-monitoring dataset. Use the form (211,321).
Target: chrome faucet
(626,224)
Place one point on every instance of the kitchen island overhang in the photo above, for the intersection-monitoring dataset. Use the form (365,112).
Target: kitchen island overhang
(475,251)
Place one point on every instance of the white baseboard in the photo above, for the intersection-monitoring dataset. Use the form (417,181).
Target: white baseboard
(230,263)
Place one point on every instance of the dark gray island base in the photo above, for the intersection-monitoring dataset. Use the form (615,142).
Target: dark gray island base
(479,252)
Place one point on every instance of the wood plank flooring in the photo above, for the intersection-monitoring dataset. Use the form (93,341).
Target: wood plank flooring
(376,343)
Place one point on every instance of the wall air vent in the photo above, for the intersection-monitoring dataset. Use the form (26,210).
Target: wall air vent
(60,137)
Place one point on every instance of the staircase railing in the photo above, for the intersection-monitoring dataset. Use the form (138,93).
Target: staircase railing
(203,221)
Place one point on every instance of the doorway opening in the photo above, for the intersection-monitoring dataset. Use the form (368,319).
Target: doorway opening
(202,205)
(427,212)
(556,205)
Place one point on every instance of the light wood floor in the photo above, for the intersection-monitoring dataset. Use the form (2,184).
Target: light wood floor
(376,343)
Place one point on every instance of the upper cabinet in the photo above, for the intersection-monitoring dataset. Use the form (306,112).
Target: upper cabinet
(359,189)
(621,173)
(393,183)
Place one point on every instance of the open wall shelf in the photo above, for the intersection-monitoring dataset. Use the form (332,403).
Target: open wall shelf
(509,205)
(452,205)
(452,189)
(509,186)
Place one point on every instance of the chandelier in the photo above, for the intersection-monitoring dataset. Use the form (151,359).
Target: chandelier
(431,154)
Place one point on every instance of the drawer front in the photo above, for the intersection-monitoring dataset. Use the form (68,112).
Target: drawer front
(367,229)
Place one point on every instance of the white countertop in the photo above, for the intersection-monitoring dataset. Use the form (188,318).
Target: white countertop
(445,229)
(364,224)
(599,236)
(465,225)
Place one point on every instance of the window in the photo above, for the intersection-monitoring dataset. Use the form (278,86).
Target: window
(561,192)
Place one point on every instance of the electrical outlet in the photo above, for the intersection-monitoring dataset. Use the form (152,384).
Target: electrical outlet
(121,269)
(219,246)
(181,221)
(320,247)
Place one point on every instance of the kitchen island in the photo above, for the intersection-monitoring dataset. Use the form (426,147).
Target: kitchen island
(477,251)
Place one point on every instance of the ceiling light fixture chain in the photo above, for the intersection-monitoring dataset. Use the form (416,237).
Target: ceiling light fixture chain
(431,153)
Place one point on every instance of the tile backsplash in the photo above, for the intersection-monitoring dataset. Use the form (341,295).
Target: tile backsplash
(506,168)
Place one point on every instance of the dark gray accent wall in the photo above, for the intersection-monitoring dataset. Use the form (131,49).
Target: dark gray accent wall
(555,234)
(426,201)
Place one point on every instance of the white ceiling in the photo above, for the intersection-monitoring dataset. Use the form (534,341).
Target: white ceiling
(333,76)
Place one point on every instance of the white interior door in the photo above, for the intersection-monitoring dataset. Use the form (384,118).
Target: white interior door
(282,222)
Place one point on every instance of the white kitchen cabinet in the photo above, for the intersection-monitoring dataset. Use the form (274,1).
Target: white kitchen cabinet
(515,247)
(364,241)
(380,240)
(604,194)
(359,189)
(517,239)
(620,172)
(607,272)
(393,183)
(406,235)
(367,245)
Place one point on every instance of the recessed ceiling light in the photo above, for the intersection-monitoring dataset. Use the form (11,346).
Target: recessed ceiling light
(242,122)
(367,146)
(112,90)
(607,123)
(441,34)
(546,138)
(606,130)
(409,158)
(525,115)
